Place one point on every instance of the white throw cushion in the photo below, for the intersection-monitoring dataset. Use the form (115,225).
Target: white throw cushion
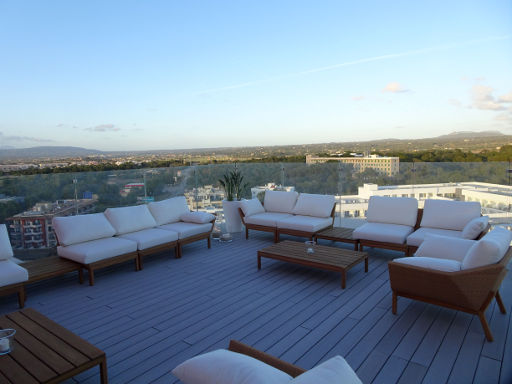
(152,237)
(475,227)
(314,205)
(392,210)
(130,219)
(185,230)
(5,244)
(169,210)
(251,207)
(431,263)
(197,217)
(418,236)
(389,233)
(78,229)
(267,219)
(444,247)
(95,250)
(11,273)
(333,371)
(305,223)
(490,249)
(227,367)
(449,214)
(280,201)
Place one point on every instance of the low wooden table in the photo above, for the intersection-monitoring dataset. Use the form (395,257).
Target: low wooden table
(324,257)
(45,352)
(340,234)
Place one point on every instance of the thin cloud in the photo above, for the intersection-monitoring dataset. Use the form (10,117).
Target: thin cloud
(506,98)
(395,87)
(103,128)
(24,138)
(358,98)
(483,98)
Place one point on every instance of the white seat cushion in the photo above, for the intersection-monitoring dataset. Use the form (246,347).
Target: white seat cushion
(449,214)
(490,249)
(444,247)
(78,229)
(267,219)
(185,230)
(251,207)
(475,227)
(5,245)
(333,371)
(417,237)
(11,273)
(392,210)
(152,237)
(130,219)
(305,223)
(197,217)
(169,210)
(280,201)
(431,263)
(388,233)
(314,205)
(95,250)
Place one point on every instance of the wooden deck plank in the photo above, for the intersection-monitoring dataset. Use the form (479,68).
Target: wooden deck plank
(488,370)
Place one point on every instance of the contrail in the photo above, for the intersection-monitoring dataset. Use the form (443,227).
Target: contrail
(358,61)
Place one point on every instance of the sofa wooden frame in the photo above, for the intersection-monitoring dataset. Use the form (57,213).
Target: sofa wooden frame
(470,290)
(198,237)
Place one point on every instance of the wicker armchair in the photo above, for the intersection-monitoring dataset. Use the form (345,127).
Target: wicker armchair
(470,290)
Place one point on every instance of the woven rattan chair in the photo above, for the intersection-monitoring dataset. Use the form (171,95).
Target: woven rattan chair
(470,290)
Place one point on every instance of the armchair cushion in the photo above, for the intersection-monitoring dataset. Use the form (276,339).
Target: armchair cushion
(11,273)
(449,214)
(280,201)
(78,229)
(314,205)
(197,217)
(130,219)
(251,207)
(490,249)
(267,219)
(475,227)
(444,247)
(168,210)
(185,230)
(333,371)
(305,223)
(96,250)
(392,210)
(431,263)
(5,245)
(418,236)
(152,237)
(388,233)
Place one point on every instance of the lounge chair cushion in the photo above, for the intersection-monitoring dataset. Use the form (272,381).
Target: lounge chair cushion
(490,249)
(5,245)
(388,233)
(314,205)
(77,229)
(444,247)
(392,210)
(185,230)
(431,263)
(267,219)
(169,210)
(95,250)
(130,219)
(475,227)
(280,201)
(152,237)
(227,367)
(449,214)
(333,371)
(197,217)
(11,273)
(418,236)
(251,207)
(305,223)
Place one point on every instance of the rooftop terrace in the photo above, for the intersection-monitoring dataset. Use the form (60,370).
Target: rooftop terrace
(150,321)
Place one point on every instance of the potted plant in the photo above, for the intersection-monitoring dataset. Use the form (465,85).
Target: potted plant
(233,185)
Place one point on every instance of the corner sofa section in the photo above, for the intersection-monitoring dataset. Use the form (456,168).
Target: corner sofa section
(12,276)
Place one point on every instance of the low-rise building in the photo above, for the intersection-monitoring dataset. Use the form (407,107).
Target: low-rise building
(385,165)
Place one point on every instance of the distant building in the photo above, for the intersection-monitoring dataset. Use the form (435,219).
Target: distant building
(386,165)
(206,198)
(33,229)
(269,187)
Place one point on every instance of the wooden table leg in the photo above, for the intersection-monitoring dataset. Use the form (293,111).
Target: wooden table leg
(366,264)
(103,371)
(259,262)
(81,275)
(343,279)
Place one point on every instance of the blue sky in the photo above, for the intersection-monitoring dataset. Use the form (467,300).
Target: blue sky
(137,75)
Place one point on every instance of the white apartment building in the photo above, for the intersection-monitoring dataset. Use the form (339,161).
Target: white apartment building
(269,187)
(385,165)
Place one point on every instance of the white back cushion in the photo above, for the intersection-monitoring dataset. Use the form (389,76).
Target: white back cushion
(475,227)
(169,210)
(490,249)
(197,217)
(227,367)
(448,214)
(5,244)
(81,228)
(251,207)
(392,210)
(333,371)
(444,265)
(444,247)
(280,201)
(130,219)
(314,205)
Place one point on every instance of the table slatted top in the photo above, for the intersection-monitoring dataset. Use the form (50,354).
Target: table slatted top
(340,233)
(48,267)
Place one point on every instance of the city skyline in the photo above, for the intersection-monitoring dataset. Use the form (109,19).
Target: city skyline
(161,75)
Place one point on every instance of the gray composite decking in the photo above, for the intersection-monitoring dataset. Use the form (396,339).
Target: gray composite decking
(147,322)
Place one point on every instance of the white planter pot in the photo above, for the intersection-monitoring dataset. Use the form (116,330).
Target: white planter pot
(231,215)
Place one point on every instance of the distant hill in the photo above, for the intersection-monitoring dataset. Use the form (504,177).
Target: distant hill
(470,135)
(47,152)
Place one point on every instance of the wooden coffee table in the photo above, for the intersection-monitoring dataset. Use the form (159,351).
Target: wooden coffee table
(324,257)
(340,234)
(45,352)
